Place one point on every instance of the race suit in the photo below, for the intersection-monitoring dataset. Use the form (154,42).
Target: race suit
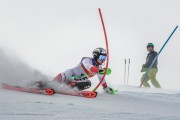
(81,73)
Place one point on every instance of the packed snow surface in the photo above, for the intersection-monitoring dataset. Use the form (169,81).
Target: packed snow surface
(130,103)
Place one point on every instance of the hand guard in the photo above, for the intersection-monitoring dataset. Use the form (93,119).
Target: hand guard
(107,73)
(109,90)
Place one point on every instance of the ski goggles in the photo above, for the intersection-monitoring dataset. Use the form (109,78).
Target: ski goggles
(102,57)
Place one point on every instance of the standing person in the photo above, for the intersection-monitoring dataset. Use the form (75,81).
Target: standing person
(78,76)
(153,71)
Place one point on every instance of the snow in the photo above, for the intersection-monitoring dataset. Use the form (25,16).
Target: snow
(131,103)
(40,32)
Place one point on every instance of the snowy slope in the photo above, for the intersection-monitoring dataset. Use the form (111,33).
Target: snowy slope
(130,103)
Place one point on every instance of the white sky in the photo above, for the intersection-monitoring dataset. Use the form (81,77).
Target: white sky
(53,35)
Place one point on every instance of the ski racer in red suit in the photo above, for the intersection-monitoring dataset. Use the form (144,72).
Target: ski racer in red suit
(88,67)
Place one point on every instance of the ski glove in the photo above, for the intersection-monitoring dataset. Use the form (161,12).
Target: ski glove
(109,90)
(107,73)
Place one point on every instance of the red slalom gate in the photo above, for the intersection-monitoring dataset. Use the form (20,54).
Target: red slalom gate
(107,49)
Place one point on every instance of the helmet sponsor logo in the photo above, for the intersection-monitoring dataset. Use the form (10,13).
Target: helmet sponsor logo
(103,51)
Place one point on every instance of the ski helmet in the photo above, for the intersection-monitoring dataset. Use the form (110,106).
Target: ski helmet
(150,45)
(97,52)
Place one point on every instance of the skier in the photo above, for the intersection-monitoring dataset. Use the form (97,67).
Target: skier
(153,71)
(78,77)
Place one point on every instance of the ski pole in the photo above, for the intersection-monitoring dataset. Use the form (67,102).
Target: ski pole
(128,71)
(124,71)
(147,72)
(107,49)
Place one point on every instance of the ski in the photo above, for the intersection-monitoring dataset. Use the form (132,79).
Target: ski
(50,91)
(86,94)
(47,91)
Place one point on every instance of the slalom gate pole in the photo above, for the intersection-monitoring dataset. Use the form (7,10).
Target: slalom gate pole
(107,49)
(128,71)
(147,72)
(124,71)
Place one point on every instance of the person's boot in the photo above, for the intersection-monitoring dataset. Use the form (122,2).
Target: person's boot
(80,85)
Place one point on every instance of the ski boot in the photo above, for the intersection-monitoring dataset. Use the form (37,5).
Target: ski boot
(50,91)
(80,85)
